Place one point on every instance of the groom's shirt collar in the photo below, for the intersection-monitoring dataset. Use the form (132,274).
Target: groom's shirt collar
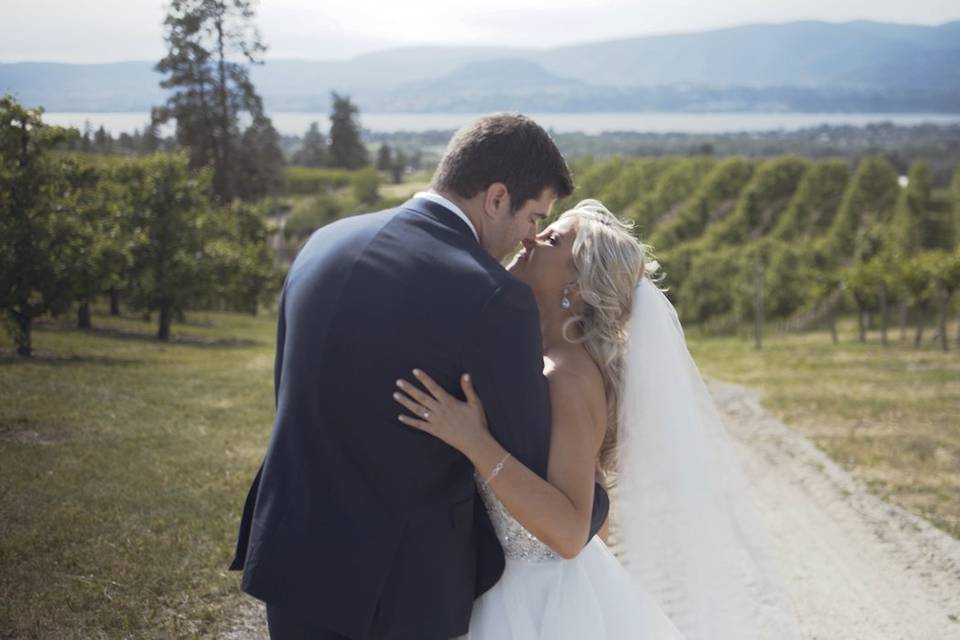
(439,199)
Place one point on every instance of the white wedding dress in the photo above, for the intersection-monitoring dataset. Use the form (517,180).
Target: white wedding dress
(700,566)
(542,596)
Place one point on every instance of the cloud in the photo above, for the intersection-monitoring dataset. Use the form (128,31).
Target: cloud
(111,30)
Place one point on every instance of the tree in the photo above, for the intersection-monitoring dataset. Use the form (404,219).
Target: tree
(210,43)
(166,203)
(38,232)
(102,141)
(871,196)
(955,189)
(946,282)
(260,161)
(915,226)
(346,149)
(150,140)
(398,167)
(384,158)
(239,269)
(101,234)
(366,186)
(313,153)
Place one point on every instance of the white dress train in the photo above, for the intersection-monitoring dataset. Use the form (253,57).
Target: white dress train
(542,596)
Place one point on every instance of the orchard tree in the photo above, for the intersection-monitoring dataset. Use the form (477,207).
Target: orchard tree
(239,270)
(166,203)
(101,257)
(39,235)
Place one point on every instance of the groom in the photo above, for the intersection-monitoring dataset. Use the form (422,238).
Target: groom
(356,526)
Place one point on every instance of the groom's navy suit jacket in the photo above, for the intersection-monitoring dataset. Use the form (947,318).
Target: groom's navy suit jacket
(355,522)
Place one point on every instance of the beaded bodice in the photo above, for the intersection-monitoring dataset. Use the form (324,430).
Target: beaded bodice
(517,542)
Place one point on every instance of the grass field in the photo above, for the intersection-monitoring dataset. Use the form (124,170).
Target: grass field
(123,468)
(892,416)
(124,462)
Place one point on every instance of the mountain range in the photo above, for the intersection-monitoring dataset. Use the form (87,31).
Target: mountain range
(797,66)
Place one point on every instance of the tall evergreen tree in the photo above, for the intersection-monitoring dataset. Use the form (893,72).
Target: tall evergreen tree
(313,153)
(260,161)
(150,141)
(398,167)
(206,38)
(384,157)
(346,149)
(102,141)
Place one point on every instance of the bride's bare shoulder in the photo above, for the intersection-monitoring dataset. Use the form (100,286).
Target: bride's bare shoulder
(571,370)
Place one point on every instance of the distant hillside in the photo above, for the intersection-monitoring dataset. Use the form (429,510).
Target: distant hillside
(800,66)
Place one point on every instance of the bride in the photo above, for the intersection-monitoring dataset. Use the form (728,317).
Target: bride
(627,403)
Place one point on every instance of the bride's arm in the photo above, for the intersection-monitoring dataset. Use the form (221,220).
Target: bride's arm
(557,510)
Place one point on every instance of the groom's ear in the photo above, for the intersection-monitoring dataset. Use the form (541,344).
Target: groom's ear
(496,201)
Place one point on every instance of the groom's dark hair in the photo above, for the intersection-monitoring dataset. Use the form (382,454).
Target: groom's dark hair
(504,147)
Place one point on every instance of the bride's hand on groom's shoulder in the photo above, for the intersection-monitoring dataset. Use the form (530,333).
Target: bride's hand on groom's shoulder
(462,425)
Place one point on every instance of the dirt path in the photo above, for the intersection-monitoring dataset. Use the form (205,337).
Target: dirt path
(857,567)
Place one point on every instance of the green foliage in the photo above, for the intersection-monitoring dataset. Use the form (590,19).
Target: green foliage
(166,207)
(707,291)
(40,238)
(713,200)
(210,43)
(384,158)
(673,188)
(313,153)
(366,186)
(762,202)
(260,161)
(915,226)
(955,196)
(102,236)
(870,199)
(309,214)
(786,279)
(590,178)
(346,150)
(813,206)
(311,181)
(239,269)
(635,179)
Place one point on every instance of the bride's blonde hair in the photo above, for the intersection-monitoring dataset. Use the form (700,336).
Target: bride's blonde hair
(610,261)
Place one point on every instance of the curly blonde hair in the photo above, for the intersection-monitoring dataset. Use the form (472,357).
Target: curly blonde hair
(610,262)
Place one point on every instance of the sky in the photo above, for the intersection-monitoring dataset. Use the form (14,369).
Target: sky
(116,30)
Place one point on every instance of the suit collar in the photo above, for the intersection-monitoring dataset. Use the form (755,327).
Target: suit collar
(441,214)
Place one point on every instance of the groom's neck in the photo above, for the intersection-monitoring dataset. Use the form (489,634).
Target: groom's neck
(471,207)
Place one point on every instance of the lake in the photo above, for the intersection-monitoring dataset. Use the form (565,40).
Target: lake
(295,123)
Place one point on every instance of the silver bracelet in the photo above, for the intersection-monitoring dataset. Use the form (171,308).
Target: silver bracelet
(497,469)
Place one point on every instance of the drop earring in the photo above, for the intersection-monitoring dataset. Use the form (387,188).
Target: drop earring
(565,301)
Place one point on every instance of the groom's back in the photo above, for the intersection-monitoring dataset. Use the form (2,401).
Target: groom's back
(362,522)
